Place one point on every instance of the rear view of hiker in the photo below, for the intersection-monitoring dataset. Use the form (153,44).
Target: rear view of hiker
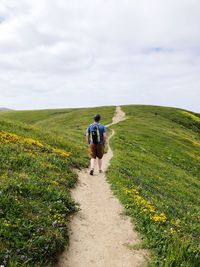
(96,138)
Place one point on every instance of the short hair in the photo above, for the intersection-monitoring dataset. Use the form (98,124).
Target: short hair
(97,118)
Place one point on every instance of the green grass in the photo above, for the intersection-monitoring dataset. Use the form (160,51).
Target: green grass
(155,172)
(63,128)
(35,179)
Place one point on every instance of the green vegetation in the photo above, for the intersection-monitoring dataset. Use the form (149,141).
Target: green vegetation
(155,172)
(39,150)
(63,128)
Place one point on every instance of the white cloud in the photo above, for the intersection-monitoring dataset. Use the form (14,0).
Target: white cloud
(91,52)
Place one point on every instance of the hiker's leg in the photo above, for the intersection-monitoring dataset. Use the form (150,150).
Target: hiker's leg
(100,163)
(92,155)
(100,152)
(92,163)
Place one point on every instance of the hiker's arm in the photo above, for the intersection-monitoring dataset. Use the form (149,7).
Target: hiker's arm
(104,135)
(104,138)
(87,135)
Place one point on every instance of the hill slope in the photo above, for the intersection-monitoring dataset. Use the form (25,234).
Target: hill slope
(155,172)
(63,128)
(36,173)
(4,109)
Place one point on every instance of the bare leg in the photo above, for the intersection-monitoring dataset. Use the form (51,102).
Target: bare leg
(92,163)
(99,163)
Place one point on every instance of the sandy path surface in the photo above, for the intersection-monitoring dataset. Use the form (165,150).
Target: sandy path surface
(99,233)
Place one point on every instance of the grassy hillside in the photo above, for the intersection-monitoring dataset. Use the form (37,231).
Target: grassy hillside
(155,172)
(38,151)
(63,128)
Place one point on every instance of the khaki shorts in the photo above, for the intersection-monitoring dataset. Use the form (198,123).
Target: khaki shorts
(96,151)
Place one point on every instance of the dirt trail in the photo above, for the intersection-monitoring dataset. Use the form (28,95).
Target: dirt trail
(99,233)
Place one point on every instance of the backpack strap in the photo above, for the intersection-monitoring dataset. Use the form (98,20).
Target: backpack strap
(98,134)
(91,140)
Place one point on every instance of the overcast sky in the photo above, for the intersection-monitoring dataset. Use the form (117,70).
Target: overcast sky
(99,52)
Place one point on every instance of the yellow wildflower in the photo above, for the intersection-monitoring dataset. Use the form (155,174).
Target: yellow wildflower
(159,217)
(144,205)
(54,183)
(6,137)
(61,153)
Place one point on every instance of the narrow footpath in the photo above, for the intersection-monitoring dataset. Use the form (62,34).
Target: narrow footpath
(100,235)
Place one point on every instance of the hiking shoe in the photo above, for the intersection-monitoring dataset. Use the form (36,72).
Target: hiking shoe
(91,171)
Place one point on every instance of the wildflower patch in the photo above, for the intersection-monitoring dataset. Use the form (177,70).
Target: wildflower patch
(144,205)
(10,138)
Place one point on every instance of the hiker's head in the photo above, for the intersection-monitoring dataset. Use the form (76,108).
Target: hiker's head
(97,118)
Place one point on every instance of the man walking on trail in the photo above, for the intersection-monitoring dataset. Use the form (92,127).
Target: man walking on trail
(96,138)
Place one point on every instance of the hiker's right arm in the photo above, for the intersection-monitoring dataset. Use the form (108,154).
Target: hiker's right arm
(87,138)
(87,135)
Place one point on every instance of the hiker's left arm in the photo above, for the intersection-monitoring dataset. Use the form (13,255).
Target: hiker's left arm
(104,135)
(104,138)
